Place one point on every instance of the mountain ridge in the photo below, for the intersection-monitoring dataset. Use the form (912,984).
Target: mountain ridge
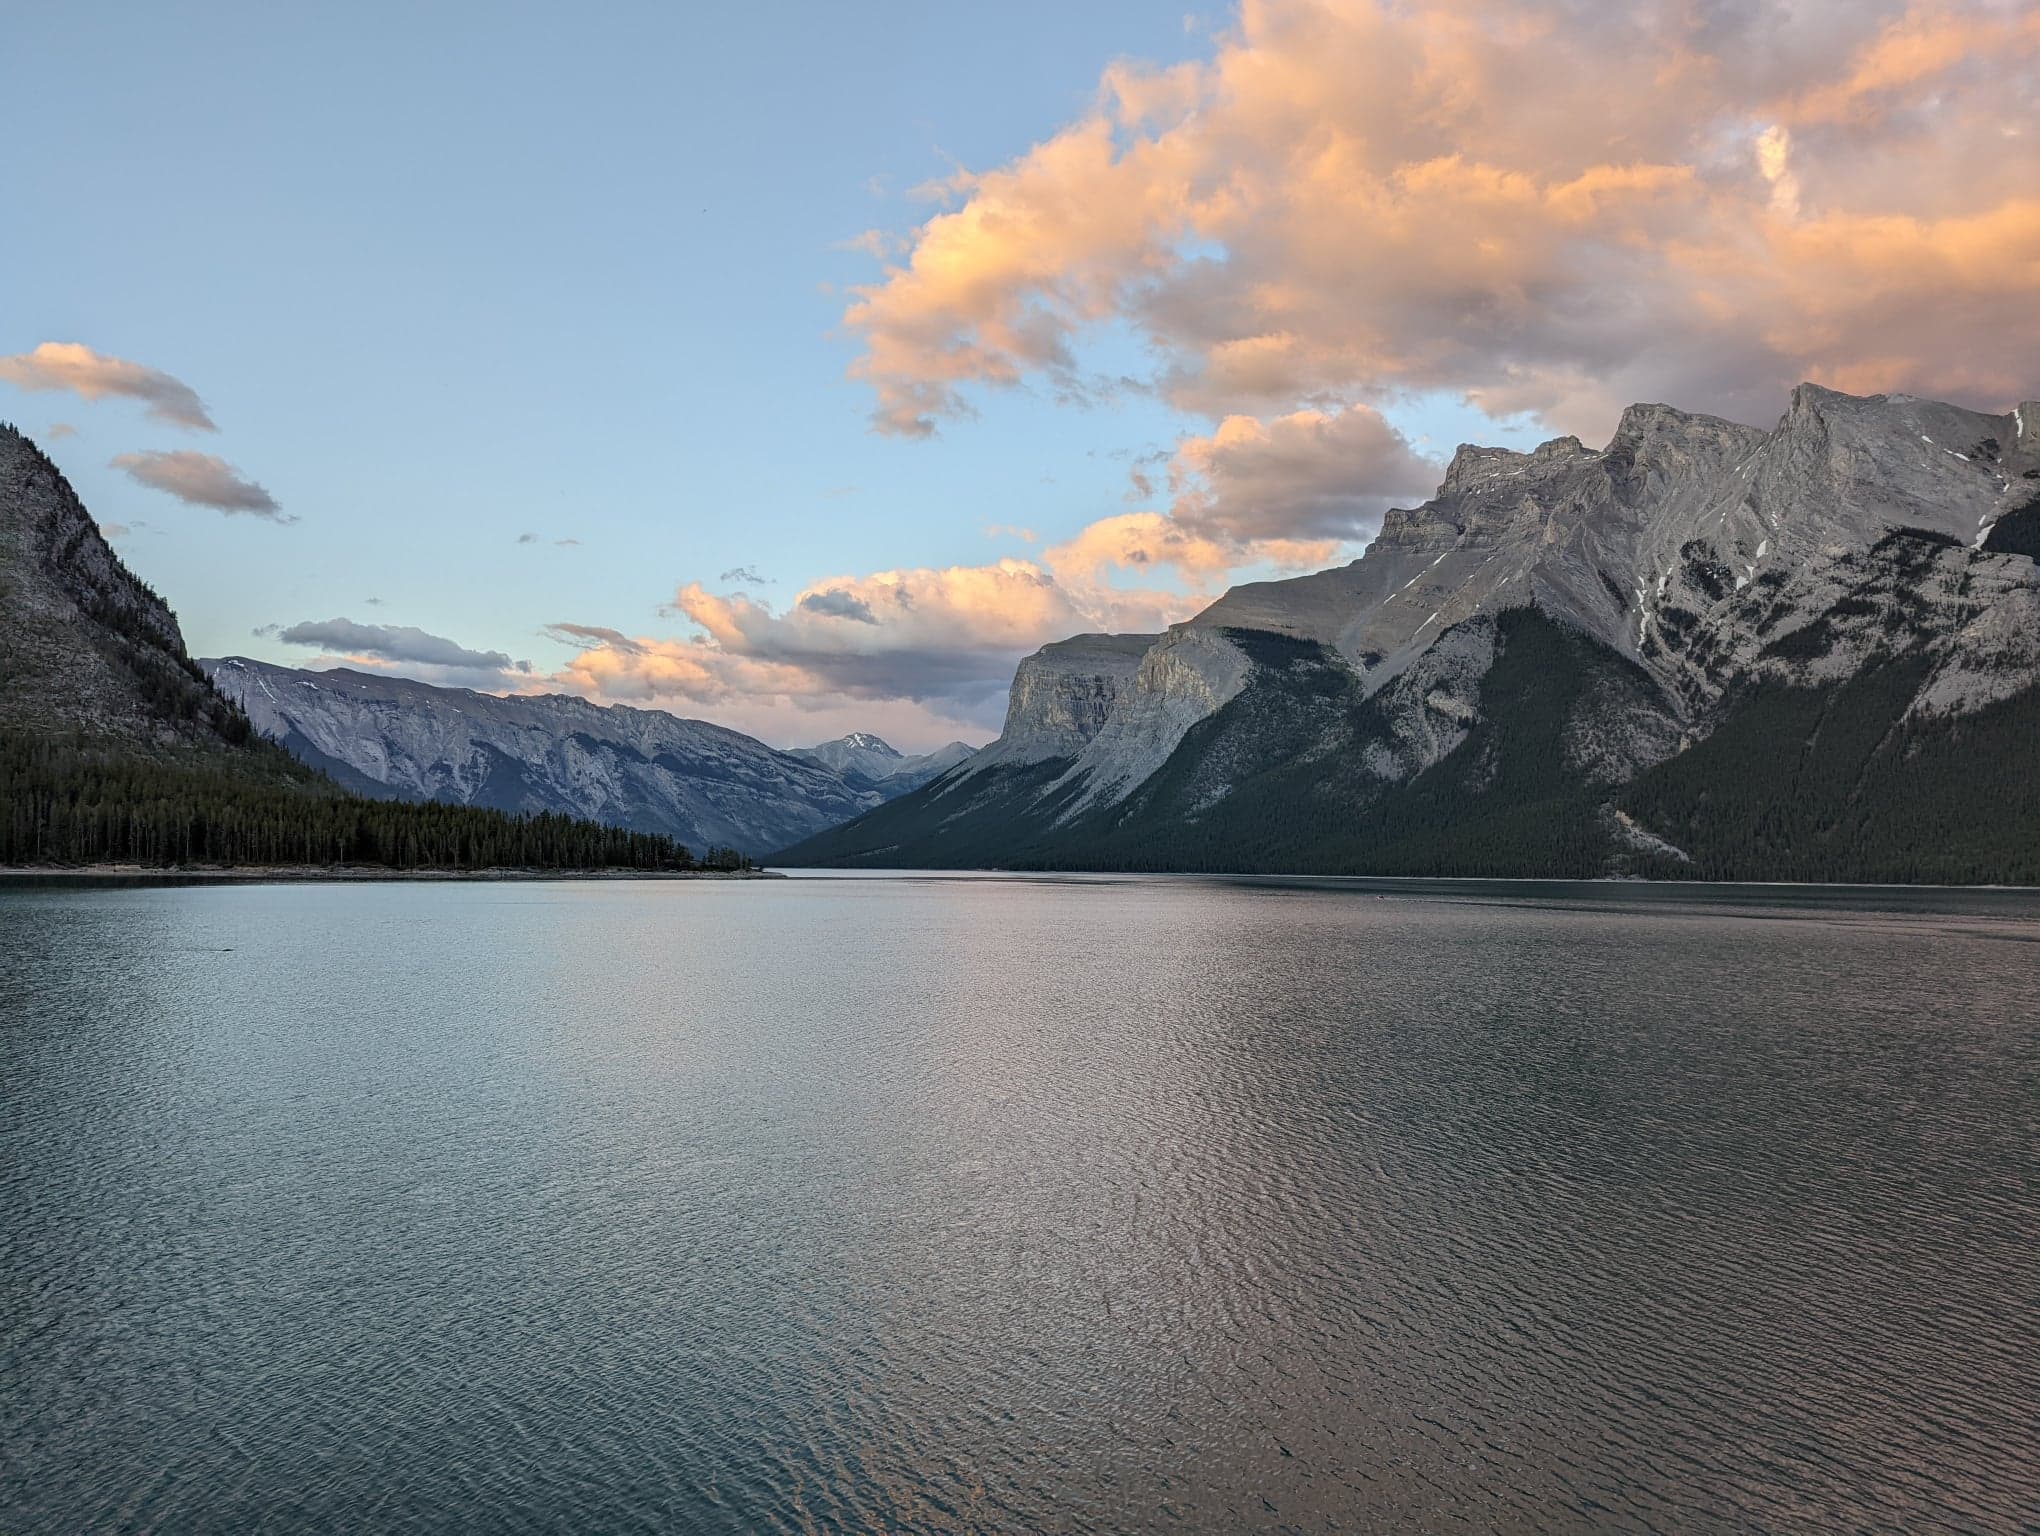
(643,769)
(1697,563)
(865,761)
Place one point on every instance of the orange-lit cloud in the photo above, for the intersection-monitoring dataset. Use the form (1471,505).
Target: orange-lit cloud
(69,365)
(1545,205)
(1311,474)
(1288,493)
(930,651)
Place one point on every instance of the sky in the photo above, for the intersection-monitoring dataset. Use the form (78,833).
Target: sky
(800,367)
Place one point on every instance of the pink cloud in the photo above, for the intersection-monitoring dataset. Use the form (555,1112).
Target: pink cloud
(69,365)
(1540,205)
(201,480)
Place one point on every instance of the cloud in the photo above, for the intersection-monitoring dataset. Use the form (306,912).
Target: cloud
(938,646)
(58,430)
(1308,475)
(1346,203)
(113,531)
(71,366)
(527,538)
(931,651)
(838,604)
(202,480)
(1774,161)
(584,635)
(747,574)
(396,643)
(1350,200)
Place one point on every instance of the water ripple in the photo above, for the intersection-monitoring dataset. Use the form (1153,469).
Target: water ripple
(1018,1206)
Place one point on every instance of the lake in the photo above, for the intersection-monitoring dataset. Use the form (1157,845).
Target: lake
(1018,1204)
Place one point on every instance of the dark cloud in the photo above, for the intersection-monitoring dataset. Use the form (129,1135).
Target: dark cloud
(396,643)
(748,574)
(838,604)
(585,635)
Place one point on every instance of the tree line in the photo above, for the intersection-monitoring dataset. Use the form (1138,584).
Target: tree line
(73,802)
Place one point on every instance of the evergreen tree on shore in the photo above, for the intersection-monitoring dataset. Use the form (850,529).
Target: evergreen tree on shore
(69,802)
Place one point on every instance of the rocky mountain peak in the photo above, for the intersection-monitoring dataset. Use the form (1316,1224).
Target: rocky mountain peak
(1595,614)
(868,763)
(1646,428)
(864,741)
(1471,464)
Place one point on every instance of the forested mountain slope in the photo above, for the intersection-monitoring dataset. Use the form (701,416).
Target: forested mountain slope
(642,769)
(114,746)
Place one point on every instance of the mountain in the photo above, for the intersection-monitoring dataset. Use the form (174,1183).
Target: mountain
(1811,652)
(115,748)
(85,646)
(864,761)
(861,753)
(638,768)
(925,768)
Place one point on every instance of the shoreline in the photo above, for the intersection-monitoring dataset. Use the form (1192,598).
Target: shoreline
(1248,877)
(287,874)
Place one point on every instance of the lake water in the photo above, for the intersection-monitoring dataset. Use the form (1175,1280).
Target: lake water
(1006,1204)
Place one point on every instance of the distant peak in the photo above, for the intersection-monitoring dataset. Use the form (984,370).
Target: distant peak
(1471,462)
(1645,418)
(1811,399)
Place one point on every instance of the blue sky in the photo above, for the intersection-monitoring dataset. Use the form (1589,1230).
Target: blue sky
(449,275)
(446,276)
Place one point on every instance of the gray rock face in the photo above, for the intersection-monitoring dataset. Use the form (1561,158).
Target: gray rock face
(864,761)
(637,768)
(85,646)
(1062,696)
(1693,546)
(1186,675)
